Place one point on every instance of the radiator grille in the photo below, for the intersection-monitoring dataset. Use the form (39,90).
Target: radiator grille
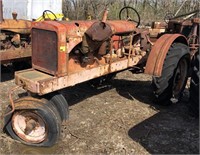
(44,50)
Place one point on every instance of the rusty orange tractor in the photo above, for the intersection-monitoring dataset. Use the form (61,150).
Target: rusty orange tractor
(66,53)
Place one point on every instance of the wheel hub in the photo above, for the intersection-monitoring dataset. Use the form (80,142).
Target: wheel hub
(179,79)
(29,126)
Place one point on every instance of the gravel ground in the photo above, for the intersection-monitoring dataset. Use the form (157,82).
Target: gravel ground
(120,118)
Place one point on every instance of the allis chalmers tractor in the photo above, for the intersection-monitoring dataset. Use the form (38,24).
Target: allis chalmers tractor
(66,53)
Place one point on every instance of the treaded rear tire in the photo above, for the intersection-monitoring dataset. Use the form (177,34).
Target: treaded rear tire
(163,86)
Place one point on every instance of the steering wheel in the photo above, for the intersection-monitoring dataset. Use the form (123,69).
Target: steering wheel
(130,14)
(46,13)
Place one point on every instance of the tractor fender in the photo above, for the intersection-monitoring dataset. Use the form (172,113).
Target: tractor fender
(159,51)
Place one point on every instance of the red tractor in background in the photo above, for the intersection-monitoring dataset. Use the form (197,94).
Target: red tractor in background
(14,38)
(66,53)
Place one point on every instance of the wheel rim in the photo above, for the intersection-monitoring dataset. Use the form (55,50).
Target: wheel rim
(29,126)
(179,78)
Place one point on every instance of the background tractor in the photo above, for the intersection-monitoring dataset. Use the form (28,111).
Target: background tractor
(15,38)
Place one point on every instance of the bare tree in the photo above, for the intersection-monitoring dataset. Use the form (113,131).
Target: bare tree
(149,10)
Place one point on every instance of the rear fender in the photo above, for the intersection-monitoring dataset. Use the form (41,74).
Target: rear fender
(159,51)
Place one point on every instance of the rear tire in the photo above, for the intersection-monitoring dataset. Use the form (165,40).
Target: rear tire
(194,87)
(169,87)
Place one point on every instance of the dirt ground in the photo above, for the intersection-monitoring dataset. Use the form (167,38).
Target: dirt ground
(120,118)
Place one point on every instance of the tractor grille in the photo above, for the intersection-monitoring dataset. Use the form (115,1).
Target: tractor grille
(44,50)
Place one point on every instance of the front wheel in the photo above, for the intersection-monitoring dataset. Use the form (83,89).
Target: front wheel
(60,103)
(36,126)
(169,87)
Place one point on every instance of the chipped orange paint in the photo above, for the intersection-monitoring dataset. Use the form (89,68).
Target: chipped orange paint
(72,32)
(158,53)
(41,83)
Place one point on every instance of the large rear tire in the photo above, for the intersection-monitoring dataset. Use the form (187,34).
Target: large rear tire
(169,87)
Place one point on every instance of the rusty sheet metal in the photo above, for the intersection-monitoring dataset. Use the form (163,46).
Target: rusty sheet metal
(74,32)
(41,83)
(72,42)
(29,78)
(60,49)
(158,53)
(45,53)
(70,32)
(18,26)
(99,32)
(9,55)
(121,26)
(78,28)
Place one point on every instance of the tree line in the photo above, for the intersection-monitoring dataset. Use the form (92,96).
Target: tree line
(149,10)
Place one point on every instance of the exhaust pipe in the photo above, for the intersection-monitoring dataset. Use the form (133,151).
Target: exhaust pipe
(1,11)
(105,15)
